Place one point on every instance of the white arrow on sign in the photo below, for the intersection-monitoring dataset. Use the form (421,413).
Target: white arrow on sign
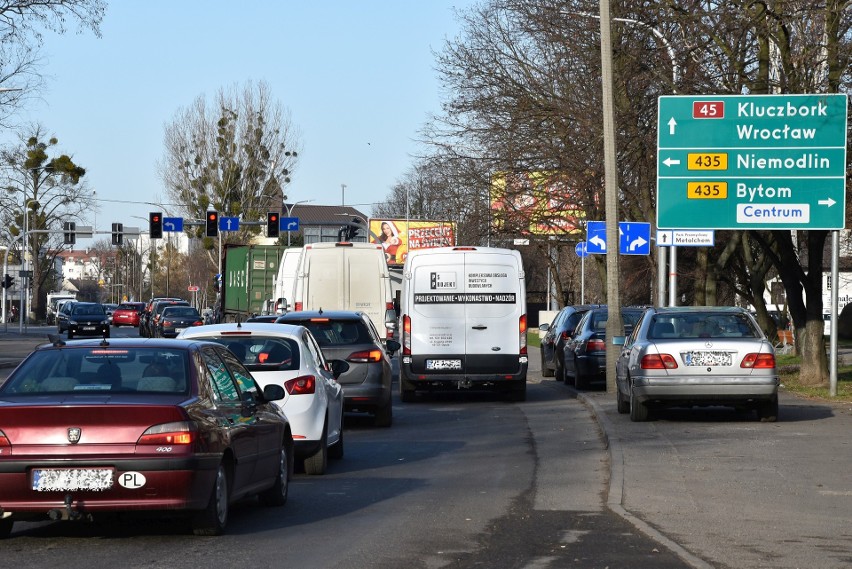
(598,242)
(637,243)
(671,161)
(829,202)
(672,125)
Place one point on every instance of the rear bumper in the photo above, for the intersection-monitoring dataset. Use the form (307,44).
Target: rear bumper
(507,372)
(692,392)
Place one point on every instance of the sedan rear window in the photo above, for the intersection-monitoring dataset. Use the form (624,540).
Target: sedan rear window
(263,353)
(702,325)
(337,332)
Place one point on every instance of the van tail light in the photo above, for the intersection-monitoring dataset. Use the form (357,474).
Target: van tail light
(596,345)
(302,385)
(406,335)
(366,356)
(297,307)
(759,361)
(658,361)
(178,433)
(522,329)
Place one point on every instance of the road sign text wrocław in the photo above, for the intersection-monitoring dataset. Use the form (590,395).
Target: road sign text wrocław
(751,162)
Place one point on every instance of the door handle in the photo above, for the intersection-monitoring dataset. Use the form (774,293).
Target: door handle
(479,327)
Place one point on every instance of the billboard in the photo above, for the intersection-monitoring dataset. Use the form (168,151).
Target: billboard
(539,203)
(399,236)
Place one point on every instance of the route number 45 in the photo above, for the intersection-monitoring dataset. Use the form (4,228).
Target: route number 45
(708,109)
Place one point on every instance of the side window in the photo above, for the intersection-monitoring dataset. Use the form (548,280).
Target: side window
(223,387)
(313,353)
(631,339)
(244,380)
(581,323)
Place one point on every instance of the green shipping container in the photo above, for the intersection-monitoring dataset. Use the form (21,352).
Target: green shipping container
(249,279)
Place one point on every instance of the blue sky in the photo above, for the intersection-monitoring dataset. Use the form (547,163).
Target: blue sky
(357,77)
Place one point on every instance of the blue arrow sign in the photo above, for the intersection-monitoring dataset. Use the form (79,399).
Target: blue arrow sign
(229,224)
(634,238)
(596,237)
(288,224)
(172,224)
(580,249)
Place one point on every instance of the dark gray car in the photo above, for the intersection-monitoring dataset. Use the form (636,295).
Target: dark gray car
(350,336)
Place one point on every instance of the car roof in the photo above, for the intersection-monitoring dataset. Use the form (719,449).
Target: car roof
(247,327)
(696,309)
(330,314)
(118,342)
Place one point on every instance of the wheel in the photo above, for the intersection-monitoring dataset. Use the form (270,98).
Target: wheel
(638,411)
(767,411)
(621,403)
(6,527)
(406,395)
(545,371)
(212,519)
(384,415)
(70,334)
(317,462)
(335,451)
(277,494)
(560,371)
(580,380)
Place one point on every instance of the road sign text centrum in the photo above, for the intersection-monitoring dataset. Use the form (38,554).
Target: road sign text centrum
(751,162)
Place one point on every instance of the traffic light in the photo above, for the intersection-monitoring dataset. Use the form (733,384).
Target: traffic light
(272,224)
(212,224)
(117,233)
(70,234)
(8,281)
(155,225)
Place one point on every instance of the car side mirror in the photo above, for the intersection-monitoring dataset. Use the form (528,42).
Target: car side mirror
(393,346)
(338,367)
(543,327)
(274,392)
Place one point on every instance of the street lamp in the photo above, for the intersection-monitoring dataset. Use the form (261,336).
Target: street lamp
(25,281)
(290,214)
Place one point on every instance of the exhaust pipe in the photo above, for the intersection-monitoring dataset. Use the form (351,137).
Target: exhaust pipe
(464,384)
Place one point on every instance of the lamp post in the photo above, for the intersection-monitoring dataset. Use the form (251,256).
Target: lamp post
(25,280)
(289,209)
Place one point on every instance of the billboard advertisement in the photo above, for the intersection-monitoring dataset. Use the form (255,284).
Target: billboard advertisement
(399,236)
(538,203)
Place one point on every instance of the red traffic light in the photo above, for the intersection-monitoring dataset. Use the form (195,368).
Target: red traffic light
(212,216)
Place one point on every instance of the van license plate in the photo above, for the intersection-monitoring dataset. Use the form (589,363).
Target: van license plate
(443,364)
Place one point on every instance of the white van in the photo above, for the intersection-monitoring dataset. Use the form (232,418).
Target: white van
(464,321)
(285,282)
(346,276)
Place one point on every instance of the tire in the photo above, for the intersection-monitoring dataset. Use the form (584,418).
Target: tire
(6,528)
(560,371)
(335,451)
(545,371)
(70,334)
(213,519)
(317,463)
(767,412)
(638,411)
(621,403)
(406,395)
(277,494)
(384,415)
(580,380)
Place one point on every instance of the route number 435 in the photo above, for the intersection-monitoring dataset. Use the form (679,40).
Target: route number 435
(708,109)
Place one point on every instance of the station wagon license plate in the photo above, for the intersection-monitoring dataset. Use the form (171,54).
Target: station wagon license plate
(443,364)
(72,479)
(707,358)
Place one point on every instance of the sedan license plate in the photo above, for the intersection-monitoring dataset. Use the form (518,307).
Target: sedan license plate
(90,327)
(707,358)
(72,479)
(443,364)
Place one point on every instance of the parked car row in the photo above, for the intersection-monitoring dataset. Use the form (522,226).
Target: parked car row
(672,357)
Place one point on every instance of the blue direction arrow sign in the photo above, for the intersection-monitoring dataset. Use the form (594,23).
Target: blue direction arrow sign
(634,238)
(580,249)
(288,224)
(751,161)
(596,237)
(229,224)
(172,224)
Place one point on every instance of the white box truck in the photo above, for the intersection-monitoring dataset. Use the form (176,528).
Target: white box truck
(285,282)
(464,321)
(346,276)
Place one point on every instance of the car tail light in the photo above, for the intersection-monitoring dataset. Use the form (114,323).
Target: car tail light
(522,329)
(658,361)
(198,323)
(167,322)
(596,345)
(406,335)
(297,307)
(180,433)
(564,336)
(4,440)
(302,385)
(367,356)
(758,361)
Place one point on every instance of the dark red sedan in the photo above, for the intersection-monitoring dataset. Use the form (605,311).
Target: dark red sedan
(127,314)
(95,427)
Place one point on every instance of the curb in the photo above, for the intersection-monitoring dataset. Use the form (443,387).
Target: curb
(615,492)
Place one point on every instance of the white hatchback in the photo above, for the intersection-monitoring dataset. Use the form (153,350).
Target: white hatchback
(289,356)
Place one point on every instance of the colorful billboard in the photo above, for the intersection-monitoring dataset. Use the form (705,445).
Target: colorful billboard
(540,203)
(399,236)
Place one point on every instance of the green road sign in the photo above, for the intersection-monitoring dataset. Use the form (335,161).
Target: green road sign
(751,162)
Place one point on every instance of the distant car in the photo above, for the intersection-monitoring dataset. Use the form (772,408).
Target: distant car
(92,429)
(127,314)
(146,316)
(585,351)
(351,336)
(62,315)
(83,319)
(558,332)
(152,326)
(175,319)
(685,356)
(289,356)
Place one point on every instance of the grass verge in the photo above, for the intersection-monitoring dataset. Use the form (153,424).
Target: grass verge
(788,369)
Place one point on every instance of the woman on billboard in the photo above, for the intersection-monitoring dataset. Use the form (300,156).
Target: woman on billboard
(389,238)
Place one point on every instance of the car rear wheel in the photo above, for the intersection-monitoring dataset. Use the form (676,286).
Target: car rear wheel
(767,411)
(580,380)
(638,411)
(335,451)
(621,402)
(70,334)
(384,415)
(6,528)
(317,462)
(277,495)
(560,371)
(213,519)
(545,371)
